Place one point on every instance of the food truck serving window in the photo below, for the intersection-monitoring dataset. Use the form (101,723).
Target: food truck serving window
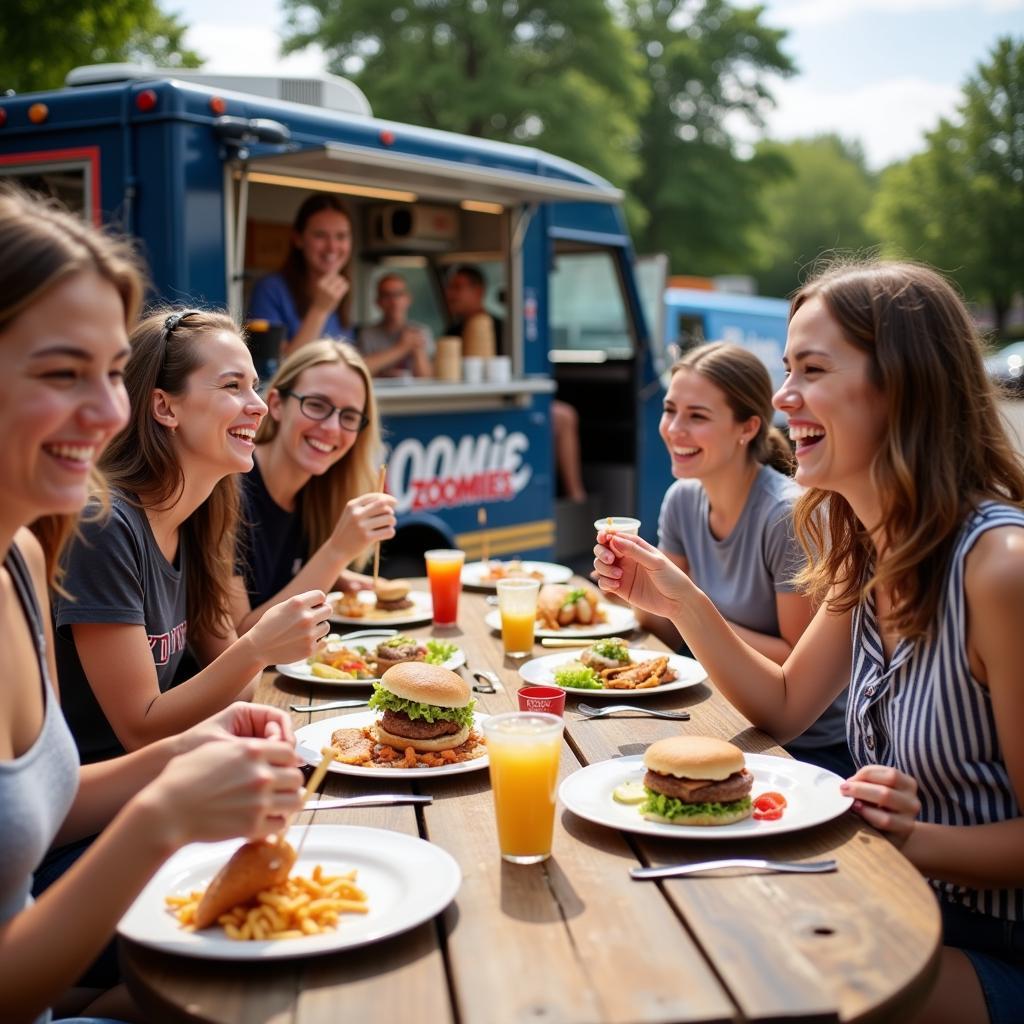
(588,309)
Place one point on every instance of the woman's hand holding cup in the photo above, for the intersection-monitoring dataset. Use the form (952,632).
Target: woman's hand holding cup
(627,566)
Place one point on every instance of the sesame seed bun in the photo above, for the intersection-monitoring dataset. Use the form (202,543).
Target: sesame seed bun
(427,684)
(694,757)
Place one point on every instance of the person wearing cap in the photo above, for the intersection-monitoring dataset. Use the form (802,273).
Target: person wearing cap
(395,346)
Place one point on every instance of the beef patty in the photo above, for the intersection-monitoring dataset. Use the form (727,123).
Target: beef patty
(398,723)
(700,791)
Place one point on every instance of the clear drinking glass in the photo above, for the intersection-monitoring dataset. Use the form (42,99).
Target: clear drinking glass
(523,748)
(517,603)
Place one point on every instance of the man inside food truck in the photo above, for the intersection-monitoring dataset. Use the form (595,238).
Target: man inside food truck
(464,293)
(395,346)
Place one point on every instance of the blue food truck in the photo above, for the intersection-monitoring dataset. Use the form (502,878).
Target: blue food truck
(692,316)
(207,174)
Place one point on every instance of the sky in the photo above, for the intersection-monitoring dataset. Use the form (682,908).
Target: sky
(881,72)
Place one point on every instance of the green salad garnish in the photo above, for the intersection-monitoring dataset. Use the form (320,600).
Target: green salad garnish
(384,700)
(574,595)
(439,651)
(614,649)
(670,807)
(578,676)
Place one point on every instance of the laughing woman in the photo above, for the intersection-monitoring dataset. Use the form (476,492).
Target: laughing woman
(914,523)
(311,504)
(155,576)
(727,521)
(67,296)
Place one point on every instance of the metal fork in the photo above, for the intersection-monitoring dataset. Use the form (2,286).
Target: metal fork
(609,709)
(781,866)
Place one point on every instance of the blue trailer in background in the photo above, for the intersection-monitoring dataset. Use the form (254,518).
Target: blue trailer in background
(692,316)
(207,175)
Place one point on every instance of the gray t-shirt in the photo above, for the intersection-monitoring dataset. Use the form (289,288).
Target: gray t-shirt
(743,572)
(116,573)
(38,787)
(374,338)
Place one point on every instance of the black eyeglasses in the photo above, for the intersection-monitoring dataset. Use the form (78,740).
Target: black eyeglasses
(316,408)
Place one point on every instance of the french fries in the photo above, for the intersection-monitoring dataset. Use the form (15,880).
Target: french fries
(296,907)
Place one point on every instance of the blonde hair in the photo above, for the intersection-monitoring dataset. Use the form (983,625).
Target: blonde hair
(747,387)
(142,463)
(321,502)
(945,448)
(44,244)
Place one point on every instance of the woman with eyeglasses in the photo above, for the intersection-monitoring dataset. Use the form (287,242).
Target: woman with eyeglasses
(311,502)
(155,576)
(68,296)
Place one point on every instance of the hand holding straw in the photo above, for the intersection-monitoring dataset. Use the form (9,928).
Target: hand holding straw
(376,550)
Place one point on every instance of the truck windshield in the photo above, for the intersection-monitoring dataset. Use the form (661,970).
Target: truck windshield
(588,311)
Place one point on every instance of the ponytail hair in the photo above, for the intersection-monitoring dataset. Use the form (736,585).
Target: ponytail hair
(744,381)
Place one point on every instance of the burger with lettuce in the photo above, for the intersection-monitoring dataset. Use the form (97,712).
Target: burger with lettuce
(424,706)
(696,780)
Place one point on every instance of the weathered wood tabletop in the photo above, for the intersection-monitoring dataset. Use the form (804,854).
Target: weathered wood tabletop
(574,939)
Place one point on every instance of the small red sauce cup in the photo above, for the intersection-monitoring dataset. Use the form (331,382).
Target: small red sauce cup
(550,699)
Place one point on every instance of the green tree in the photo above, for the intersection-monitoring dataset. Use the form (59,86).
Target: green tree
(819,206)
(41,41)
(960,203)
(707,61)
(560,74)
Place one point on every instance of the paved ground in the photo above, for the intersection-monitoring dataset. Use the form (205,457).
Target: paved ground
(1014,413)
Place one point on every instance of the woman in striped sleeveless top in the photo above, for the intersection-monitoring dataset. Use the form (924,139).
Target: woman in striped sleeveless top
(913,521)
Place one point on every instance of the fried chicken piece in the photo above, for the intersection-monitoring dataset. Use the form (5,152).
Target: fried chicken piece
(353,746)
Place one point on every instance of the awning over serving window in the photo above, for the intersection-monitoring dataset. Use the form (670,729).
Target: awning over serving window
(428,177)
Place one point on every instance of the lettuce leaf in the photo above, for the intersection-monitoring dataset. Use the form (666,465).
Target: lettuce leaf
(670,807)
(384,700)
(439,651)
(614,649)
(578,676)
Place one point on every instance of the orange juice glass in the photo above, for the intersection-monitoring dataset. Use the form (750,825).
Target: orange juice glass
(523,748)
(517,603)
(444,570)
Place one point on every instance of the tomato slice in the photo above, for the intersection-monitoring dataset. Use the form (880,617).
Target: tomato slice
(769,807)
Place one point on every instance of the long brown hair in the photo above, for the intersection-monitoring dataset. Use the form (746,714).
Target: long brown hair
(945,449)
(141,461)
(294,270)
(43,244)
(321,502)
(747,387)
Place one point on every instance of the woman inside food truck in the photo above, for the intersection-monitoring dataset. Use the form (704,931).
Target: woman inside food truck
(309,295)
(311,502)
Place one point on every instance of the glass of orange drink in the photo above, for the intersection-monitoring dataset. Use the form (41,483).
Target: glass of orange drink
(517,603)
(523,749)
(444,571)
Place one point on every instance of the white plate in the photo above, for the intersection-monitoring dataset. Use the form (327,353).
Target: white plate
(422,610)
(541,671)
(312,738)
(812,796)
(617,620)
(303,670)
(473,573)
(407,881)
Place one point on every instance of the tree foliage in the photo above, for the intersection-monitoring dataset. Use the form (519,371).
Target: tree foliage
(960,203)
(819,206)
(707,62)
(41,40)
(559,74)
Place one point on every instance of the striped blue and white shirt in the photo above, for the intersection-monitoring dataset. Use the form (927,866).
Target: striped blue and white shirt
(925,714)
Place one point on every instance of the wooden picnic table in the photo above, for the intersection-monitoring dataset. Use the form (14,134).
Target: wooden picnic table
(574,939)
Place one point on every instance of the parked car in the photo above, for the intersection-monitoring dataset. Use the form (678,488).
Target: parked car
(1006,368)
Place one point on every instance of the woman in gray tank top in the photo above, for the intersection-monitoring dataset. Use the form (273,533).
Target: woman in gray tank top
(913,521)
(67,297)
